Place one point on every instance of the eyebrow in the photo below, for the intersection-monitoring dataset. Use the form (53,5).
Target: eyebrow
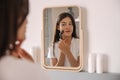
(63,22)
(66,22)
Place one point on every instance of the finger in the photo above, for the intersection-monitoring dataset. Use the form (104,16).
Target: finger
(66,39)
(60,39)
(62,42)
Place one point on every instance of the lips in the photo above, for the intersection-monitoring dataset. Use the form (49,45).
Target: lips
(67,31)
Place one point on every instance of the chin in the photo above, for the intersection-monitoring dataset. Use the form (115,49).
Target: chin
(68,35)
(22,39)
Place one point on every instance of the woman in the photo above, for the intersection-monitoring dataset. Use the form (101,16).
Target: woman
(13,26)
(65,49)
(15,63)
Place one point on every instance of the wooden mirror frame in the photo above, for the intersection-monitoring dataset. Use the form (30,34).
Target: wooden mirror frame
(43,55)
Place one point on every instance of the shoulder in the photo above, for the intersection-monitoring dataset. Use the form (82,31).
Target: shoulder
(22,69)
(7,60)
(15,63)
(11,64)
(75,43)
(75,40)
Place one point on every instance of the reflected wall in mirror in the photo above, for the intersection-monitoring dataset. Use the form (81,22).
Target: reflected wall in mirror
(62,38)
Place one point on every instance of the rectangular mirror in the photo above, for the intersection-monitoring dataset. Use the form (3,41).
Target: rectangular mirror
(62,38)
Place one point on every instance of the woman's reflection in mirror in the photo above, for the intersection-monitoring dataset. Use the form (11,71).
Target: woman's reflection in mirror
(64,51)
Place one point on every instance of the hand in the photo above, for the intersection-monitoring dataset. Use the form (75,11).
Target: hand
(64,45)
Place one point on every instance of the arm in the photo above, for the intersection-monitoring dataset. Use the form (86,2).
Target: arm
(59,62)
(72,60)
(53,59)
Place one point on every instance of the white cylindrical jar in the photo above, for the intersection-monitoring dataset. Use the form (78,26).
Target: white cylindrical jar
(99,63)
(91,63)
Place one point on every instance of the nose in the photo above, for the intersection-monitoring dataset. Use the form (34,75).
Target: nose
(67,26)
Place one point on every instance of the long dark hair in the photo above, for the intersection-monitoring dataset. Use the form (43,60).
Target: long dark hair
(12,15)
(59,19)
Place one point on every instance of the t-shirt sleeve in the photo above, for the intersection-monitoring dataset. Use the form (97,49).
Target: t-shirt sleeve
(50,52)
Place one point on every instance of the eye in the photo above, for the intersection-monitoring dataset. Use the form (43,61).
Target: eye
(70,24)
(63,24)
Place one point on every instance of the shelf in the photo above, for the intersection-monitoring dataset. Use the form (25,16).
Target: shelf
(66,75)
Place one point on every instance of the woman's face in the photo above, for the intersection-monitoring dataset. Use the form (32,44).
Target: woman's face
(22,30)
(67,26)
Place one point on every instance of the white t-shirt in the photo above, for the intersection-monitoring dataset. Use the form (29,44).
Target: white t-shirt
(74,49)
(12,68)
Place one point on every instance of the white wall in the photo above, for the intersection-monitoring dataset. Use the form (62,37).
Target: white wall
(100,21)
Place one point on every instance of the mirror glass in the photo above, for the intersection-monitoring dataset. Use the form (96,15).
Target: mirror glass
(62,38)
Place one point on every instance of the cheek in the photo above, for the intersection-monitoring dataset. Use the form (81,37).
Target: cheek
(21,33)
(72,29)
(61,28)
